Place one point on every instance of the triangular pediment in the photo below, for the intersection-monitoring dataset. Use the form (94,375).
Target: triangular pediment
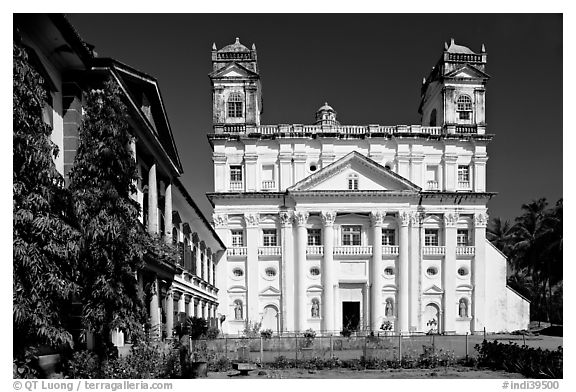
(467,72)
(370,176)
(270,291)
(433,290)
(233,70)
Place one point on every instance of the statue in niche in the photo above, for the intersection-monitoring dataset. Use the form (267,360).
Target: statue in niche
(315,309)
(463,308)
(238,311)
(389,309)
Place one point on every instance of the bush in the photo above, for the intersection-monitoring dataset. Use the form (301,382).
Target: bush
(212,333)
(222,364)
(195,327)
(266,334)
(431,358)
(346,332)
(531,362)
(145,360)
(281,362)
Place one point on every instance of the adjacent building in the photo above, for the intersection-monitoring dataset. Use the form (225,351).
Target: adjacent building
(331,226)
(70,67)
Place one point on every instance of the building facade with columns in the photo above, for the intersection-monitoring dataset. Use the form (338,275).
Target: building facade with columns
(332,226)
(70,67)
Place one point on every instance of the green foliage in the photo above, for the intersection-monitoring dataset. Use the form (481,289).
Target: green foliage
(113,241)
(222,364)
(534,248)
(26,366)
(212,333)
(145,360)
(196,327)
(531,362)
(252,329)
(431,358)
(309,336)
(266,334)
(44,240)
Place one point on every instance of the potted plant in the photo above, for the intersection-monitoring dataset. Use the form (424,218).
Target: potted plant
(193,353)
(309,336)
(433,324)
(386,327)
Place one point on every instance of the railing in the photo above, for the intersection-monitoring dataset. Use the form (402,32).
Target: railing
(465,250)
(431,130)
(236,185)
(270,251)
(434,250)
(390,249)
(466,129)
(432,185)
(315,250)
(353,250)
(238,251)
(463,184)
(268,184)
(475,58)
(240,128)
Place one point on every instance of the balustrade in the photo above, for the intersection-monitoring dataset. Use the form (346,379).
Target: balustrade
(465,250)
(432,185)
(315,250)
(236,185)
(238,251)
(270,251)
(390,250)
(268,184)
(434,250)
(353,250)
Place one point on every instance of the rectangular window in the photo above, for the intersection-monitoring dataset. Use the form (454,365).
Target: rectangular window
(269,237)
(464,115)
(463,173)
(234,109)
(314,237)
(351,235)
(431,237)
(462,237)
(432,177)
(388,237)
(237,238)
(236,173)
(353,183)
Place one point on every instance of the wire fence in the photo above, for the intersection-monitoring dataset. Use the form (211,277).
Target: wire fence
(390,346)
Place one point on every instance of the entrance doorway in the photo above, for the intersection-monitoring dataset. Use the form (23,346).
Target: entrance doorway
(270,318)
(350,315)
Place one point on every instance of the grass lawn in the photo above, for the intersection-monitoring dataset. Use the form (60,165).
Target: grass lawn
(448,372)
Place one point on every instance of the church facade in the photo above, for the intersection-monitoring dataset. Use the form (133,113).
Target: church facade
(331,226)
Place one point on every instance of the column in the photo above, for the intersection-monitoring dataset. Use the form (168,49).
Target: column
(285,159)
(251,172)
(152,201)
(450,174)
(366,305)
(414,269)
(479,174)
(301,218)
(221,227)
(154,306)
(198,258)
(287,280)
(327,272)
(220,184)
(181,305)
(479,273)
(449,272)
(169,313)
(189,306)
(203,309)
(252,232)
(403,274)
(168,213)
(376,270)
(197,310)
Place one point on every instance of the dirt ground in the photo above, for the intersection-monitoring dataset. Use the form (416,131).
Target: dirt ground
(449,372)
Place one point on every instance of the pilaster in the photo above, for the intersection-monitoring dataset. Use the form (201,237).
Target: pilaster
(168,213)
(416,219)
(252,221)
(287,270)
(152,201)
(301,218)
(169,313)
(479,272)
(403,273)
(449,272)
(450,171)
(376,270)
(327,272)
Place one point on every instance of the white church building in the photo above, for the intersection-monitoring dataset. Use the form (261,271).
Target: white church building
(332,226)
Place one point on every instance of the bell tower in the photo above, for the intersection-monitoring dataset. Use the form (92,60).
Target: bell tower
(453,94)
(236,88)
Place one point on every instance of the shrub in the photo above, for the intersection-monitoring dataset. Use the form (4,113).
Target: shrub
(280,362)
(309,336)
(531,362)
(195,327)
(432,358)
(222,364)
(346,332)
(266,334)
(212,333)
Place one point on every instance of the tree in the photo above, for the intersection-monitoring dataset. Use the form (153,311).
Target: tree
(499,233)
(45,243)
(113,240)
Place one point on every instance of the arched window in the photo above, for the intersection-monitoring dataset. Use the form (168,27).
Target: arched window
(315,309)
(464,107)
(353,181)
(433,118)
(174,235)
(238,310)
(463,307)
(235,103)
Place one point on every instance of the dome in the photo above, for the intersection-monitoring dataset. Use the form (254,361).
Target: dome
(453,48)
(326,107)
(235,47)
